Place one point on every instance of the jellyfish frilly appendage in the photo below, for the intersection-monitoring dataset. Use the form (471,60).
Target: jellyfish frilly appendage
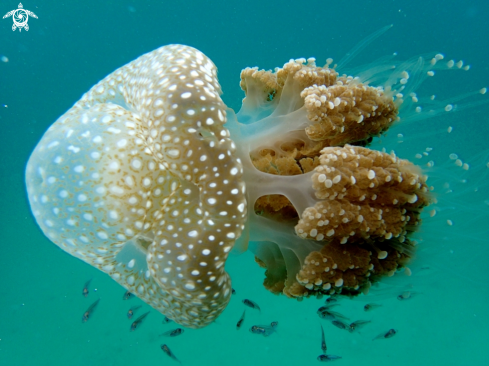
(370,204)
(141,180)
(328,215)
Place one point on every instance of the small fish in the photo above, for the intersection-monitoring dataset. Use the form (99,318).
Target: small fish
(233,291)
(323,341)
(251,304)
(85,288)
(372,306)
(258,329)
(357,325)
(168,351)
(166,320)
(127,296)
(131,311)
(405,295)
(264,330)
(330,315)
(327,358)
(331,300)
(339,324)
(327,307)
(87,314)
(240,321)
(389,334)
(4,106)
(172,333)
(135,324)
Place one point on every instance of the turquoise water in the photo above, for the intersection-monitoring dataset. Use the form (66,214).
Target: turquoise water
(73,45)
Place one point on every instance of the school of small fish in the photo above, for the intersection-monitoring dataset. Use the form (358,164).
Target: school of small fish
(342,322)
(324,312)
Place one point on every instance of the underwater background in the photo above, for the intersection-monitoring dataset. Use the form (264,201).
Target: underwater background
(74,44)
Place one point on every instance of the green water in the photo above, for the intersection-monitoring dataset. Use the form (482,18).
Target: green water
(72,45)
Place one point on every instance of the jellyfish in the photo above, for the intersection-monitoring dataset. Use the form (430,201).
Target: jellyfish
(150,178)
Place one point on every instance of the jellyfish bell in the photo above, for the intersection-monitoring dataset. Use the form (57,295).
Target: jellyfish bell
(141,180)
